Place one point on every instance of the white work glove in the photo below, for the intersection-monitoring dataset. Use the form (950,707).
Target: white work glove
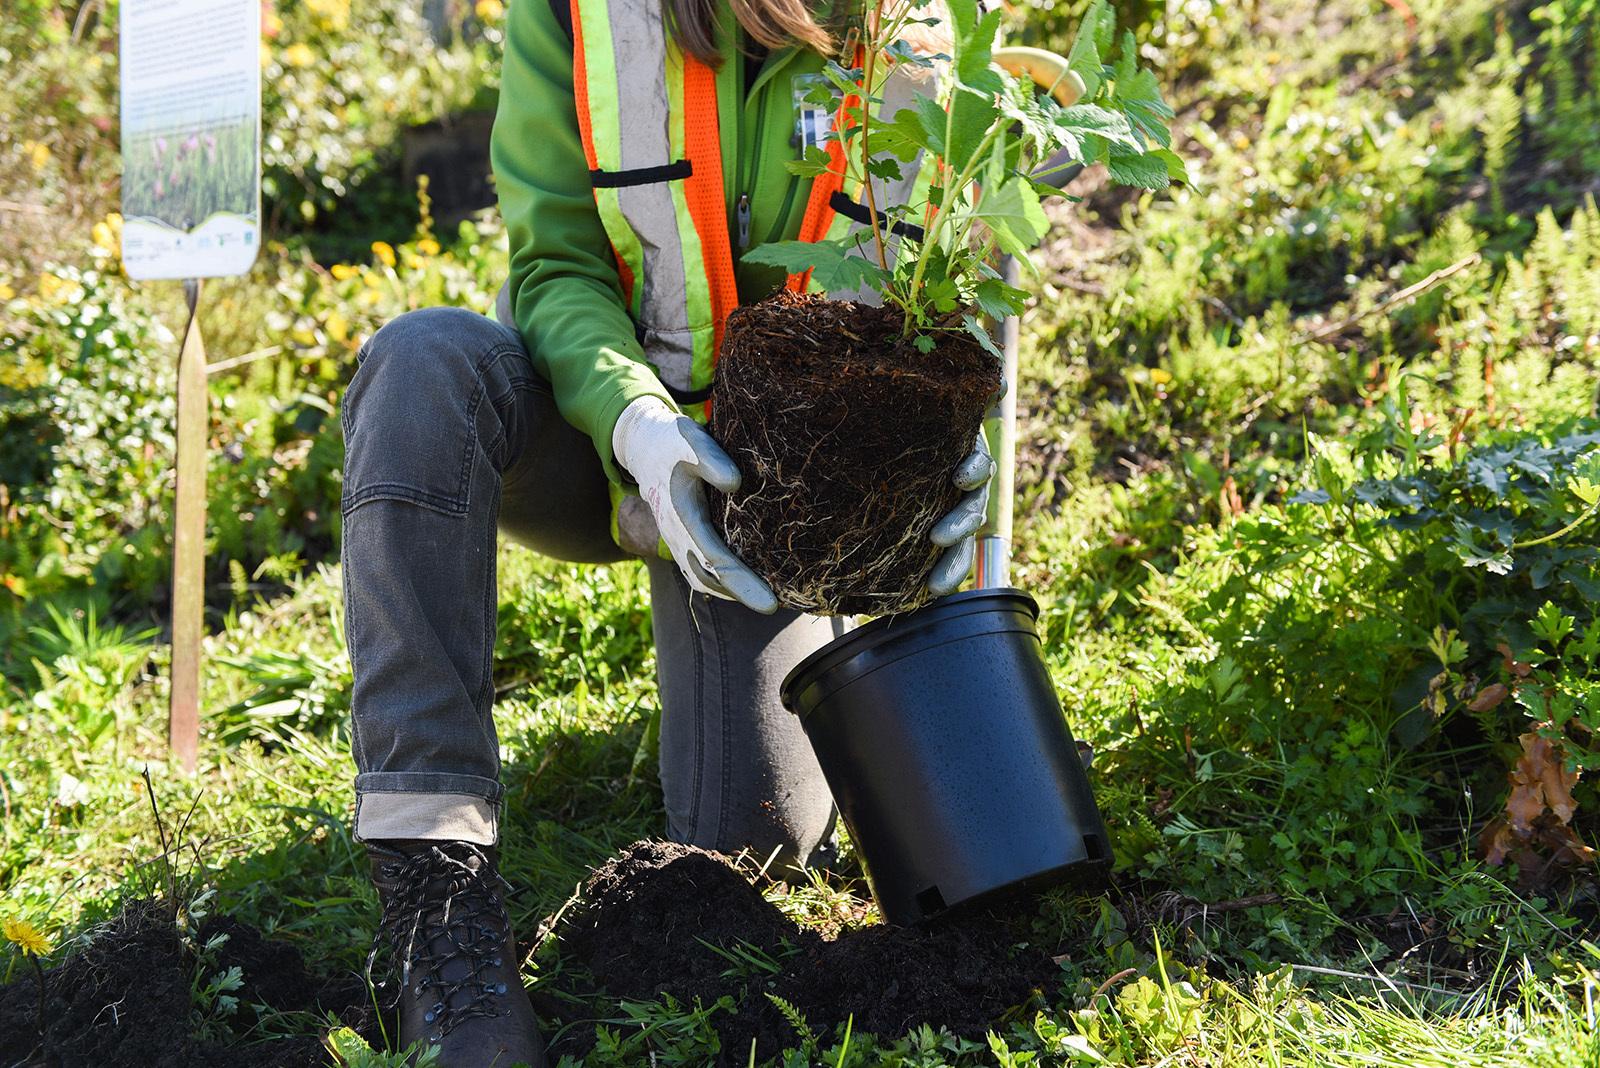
(955,531)
(670,455)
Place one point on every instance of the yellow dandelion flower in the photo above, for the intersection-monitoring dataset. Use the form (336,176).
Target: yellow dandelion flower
(6,292)
(384,251)
(489,10)
(1160,376)
(428,246)
(299,55)
(338,327)
(343,272)
(50,285)
(38,153)
(26,937)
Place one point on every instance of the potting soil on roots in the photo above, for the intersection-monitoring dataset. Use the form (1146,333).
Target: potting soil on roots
(848,439)
(648,920)
(124,1000)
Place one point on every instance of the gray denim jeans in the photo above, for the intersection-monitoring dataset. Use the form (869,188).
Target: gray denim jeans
(451,436)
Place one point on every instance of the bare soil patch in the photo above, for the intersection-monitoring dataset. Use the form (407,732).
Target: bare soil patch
(653,920)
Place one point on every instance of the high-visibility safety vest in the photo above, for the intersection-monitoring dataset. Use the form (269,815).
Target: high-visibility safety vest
(647,114)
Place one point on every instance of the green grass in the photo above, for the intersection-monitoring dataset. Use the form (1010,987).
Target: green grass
(1230,424)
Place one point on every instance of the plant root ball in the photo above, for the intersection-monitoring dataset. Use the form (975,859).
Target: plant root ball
(848,440)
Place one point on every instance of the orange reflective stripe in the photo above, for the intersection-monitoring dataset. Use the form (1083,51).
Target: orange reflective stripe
(703,192)
(819,206)
(580,92)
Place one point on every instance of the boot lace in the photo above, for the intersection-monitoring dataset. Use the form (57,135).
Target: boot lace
(439,907)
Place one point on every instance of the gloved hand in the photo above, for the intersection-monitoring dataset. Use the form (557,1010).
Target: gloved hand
(670,455)
(955,531)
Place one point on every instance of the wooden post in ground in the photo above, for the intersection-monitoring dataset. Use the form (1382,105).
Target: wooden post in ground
(189,541)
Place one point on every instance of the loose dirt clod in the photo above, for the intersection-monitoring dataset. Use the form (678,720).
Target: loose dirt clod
(847,438)
(124,1000)
(654,919)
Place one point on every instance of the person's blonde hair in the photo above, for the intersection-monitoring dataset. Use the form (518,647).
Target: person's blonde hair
(770,23)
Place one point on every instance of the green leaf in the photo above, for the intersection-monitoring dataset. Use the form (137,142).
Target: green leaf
(1140,169)
(814,162)
(998,300)
(982,336)
(1092,42)
(1015,215)
(1551,624)
(832,264)
(973,113)
(924,343)
(884,168)
(1138,95)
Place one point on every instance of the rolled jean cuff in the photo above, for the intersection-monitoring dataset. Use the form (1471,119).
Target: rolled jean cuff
(461,808)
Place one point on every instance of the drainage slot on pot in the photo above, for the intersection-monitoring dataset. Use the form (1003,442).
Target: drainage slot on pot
(1092,846)
(931,902)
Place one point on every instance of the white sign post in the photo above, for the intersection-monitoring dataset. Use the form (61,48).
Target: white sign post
(191,207)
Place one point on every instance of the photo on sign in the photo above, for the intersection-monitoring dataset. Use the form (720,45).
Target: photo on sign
(182,174)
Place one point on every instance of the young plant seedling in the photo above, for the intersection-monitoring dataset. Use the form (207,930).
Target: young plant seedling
(994,142)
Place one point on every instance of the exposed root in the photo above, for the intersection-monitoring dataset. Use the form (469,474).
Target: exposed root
(848,439)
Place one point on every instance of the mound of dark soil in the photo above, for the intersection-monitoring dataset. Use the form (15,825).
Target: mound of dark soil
(653,920)
(847,437)
(124,1000)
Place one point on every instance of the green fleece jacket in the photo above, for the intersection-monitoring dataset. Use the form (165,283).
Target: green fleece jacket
(565,292)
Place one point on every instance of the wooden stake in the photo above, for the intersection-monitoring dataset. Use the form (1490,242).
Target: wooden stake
(189,541)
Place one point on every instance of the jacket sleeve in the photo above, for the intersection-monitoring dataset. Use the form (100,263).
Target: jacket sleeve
(566,296)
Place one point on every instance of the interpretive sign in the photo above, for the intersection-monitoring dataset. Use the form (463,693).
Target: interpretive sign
(191,209)
(191,137)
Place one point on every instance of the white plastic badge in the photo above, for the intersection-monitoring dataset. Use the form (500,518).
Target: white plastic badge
(191,137)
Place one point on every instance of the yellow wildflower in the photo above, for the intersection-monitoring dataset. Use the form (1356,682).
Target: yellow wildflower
(428,246)
(6,292)
(299,55)
(384,251)
(26,937)
(50,285)
(343,272)
(338,327)
(489,10)
(38,153)
(1160,376)
(108,231)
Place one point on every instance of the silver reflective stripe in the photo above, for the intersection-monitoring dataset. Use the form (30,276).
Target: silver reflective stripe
(639,42)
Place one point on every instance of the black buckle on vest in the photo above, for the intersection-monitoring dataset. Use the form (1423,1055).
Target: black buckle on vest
(860,213)
(641,175)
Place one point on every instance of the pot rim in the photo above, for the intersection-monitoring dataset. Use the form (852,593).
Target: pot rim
(884,629)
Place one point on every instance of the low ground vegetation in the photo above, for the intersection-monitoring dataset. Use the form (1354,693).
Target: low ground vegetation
(1308,502)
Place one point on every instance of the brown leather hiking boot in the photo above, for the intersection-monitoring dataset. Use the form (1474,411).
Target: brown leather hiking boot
(455,960)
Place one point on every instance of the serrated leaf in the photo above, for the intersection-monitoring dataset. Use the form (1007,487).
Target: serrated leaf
(1092,119)
(976,329)
(1138,169)
(1016,217)
(814,162)
(1093,40)
(831,264)
(998,299)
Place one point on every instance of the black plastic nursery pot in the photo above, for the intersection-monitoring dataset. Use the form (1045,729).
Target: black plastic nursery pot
(945,747)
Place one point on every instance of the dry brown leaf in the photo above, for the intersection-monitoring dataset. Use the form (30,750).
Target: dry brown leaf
(1557,782)
(1489,697)
(1513,665)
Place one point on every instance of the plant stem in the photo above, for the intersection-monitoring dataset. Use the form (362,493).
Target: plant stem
(1568,529)
(943,212)
(872,20)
